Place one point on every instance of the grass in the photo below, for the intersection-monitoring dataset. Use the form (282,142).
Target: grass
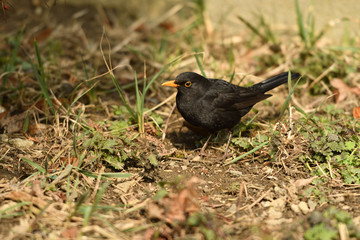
(10,65)
(39,73)
(98,168)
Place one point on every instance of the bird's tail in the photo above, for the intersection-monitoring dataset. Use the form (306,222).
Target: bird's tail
(274,82)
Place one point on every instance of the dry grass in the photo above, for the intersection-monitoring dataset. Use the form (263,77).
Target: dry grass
(84,170)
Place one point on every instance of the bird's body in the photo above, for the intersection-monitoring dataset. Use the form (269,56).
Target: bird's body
(215,104)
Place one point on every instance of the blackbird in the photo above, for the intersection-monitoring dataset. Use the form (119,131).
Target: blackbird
(216,104)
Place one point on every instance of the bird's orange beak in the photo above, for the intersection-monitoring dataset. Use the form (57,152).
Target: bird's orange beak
(170,84)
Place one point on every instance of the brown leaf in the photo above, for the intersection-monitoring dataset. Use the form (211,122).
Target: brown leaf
(155,212)
(36,128)
(71,233)
(167,25)
(343,90)
(12,124)
(184,202)
(25,197)
(36,189)
(356,112)
(43,35)
(176,207)
(44,106)
(304,182)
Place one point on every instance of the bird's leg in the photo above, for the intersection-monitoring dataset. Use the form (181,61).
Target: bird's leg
(202,151)
(228,143)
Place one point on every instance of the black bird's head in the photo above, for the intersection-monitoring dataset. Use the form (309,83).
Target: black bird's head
(189,83)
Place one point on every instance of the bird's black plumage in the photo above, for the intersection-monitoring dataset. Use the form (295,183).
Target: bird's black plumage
(216,104)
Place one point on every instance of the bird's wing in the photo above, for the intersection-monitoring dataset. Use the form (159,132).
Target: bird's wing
(233,97)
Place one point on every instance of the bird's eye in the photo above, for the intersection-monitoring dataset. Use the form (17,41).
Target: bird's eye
(188,84)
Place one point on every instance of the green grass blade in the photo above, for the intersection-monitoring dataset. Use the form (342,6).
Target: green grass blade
(9,212)
(10,66)
(287,101)
(35,165)
(79,203)
(90,211)
(87,210)
(200,65)
(307,116)
(41,77)
(117,175)
(270,36)
(38,57)
(81,95)
(143,95)
(300,23)
(122,96)
(311,31)
(139,106)
(247,153)
(90,84)
(156,77)
(317,108)
(232,77)
(105,175)
(253,28)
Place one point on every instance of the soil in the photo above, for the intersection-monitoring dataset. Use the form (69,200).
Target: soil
(254,198)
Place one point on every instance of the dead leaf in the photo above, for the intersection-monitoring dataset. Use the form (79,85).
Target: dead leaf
(150,129)
(3,114)
(303,182)
(69,160)
(25,197)
(149,234)
(36,128)
(34,139)
(12,124)
(71,233)
(21,143)
(177,206)
(44,106)
(155,212)
(23,226)
(167,25)
(356,112)
(36,189)
(124,187)
(343,90)
(183,203)
(43,35)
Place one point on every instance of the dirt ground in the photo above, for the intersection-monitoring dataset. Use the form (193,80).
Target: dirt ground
(269,194)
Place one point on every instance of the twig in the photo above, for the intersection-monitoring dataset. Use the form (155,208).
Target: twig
(247,153)
(259,199)
(238,202)
(329,69)
(96,185)
(256,202)
(321,170)
(160,104)
(190,160)
(330,168)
